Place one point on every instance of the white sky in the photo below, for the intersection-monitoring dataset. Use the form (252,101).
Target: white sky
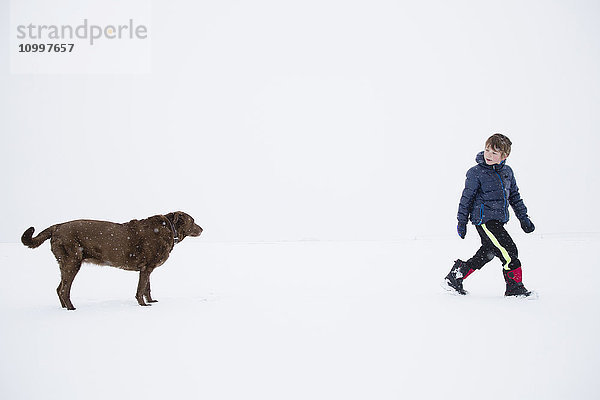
(270,120)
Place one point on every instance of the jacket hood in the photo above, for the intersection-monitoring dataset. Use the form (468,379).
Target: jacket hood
(481,161)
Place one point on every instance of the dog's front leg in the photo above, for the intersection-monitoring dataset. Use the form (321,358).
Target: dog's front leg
(143,285)
(149,298)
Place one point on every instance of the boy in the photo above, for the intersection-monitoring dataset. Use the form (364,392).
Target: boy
(489,189)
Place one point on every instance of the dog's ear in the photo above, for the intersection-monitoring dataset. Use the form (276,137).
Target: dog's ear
(177,218)
(174,217)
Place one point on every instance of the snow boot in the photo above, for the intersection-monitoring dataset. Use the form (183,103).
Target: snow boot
(514,283)
(454,279)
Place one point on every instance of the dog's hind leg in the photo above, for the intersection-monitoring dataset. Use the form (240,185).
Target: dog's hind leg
(143,287)
(67,275)
(69,261)
(58,291)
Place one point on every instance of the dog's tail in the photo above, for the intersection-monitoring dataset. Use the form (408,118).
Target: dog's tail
(33,242)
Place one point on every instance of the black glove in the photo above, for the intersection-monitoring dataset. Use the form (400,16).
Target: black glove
(527,225)
(462,230)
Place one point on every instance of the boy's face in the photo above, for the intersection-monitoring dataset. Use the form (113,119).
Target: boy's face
(493,156)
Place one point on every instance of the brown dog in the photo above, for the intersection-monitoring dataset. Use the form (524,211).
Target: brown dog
(134,246)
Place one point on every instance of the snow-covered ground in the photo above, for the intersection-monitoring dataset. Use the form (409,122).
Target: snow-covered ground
(305,320)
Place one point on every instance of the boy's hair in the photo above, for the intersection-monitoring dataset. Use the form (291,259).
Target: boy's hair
(499,143)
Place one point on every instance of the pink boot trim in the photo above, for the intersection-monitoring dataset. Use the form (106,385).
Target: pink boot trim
(516,275)
(468,273)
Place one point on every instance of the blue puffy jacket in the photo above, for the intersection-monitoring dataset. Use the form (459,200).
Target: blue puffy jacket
(489,189)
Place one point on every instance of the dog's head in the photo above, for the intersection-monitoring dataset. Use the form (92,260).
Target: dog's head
(184,224)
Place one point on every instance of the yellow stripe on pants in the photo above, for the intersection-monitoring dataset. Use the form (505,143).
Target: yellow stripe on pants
(498,245)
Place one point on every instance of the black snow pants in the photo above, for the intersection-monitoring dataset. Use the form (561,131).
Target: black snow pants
(495,241)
